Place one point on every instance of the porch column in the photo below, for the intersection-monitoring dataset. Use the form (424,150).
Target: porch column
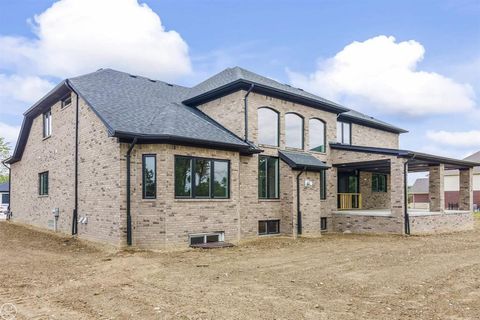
(397,191)
(436,188)
(466,190)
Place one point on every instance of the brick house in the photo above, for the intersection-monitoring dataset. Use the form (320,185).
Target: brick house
(419,189)
(124,159)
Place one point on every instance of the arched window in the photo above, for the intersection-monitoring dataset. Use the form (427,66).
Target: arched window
(293,131)
(267,126)
(316,135)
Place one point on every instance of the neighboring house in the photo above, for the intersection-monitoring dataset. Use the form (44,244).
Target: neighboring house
(419,194)
(452,186)
(124,159)
(4,198)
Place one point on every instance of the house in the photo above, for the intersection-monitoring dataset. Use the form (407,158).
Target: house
(420,187)
(419,194)
(127,160)
(4,199)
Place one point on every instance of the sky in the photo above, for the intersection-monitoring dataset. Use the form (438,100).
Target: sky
(415,64)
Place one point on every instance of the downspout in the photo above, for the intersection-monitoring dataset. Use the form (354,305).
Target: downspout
(75,209)
(129,217)
(75,213)
(245,101)
(299,213)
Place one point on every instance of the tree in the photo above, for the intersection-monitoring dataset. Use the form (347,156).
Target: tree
(4,154)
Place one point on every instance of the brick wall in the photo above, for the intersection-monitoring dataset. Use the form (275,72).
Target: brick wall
(370,199)
(54,154)
(98,175)
(370,137)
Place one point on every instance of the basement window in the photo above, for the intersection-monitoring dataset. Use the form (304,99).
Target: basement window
(202,238)
(323,224)
(268,227)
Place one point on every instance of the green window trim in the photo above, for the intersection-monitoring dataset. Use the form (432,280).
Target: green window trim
(268,182)
(323,185)
(149,176)
(379,182)
(43,183)
(201,178)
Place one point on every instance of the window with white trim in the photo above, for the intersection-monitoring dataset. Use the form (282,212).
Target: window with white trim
(47,123)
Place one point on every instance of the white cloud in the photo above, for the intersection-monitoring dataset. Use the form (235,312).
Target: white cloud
(10,133)
(18,93)
(459,139)
(79,36)
(23,88)
(382,73)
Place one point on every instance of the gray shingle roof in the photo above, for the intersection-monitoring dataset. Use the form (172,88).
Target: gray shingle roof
(231,75)
(149,109)
(236,74)
(361,118)
(420,186)
(302,160)
(144,107)
(473,157)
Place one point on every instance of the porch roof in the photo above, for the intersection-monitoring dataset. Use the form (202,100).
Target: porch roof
(418,161)
(302,161)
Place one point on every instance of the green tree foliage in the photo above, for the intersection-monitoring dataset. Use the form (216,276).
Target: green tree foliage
(4,154)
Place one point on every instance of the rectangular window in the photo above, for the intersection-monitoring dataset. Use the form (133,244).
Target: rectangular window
(268,227)
(210,178)
(323,185)
(344,132)
(149,176)
(379,182)
(5,198)
(47,123)
(66,101)
(43,183)
(323,223)
(202,238)
(268,177)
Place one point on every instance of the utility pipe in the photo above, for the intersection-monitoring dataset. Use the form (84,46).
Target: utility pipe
(299,213)
(129,217)
(245,101)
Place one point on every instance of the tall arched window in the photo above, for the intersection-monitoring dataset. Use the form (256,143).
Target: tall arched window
(267,126)
(293,131)
(316,135)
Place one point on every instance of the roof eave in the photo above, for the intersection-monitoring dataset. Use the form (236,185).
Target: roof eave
(172,139)
(263,89)
(367,123)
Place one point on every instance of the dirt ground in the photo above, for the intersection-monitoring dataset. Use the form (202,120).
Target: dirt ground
(338,276)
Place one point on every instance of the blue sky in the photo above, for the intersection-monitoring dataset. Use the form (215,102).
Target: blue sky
(415,64)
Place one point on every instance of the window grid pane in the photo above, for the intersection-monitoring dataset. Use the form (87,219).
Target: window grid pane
(183,177)
(316,134)
(323,185)
(293,131)
(149,177)
(220,179)
(202,178)
(267,127)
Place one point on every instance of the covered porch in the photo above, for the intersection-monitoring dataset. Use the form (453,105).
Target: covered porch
(372,191)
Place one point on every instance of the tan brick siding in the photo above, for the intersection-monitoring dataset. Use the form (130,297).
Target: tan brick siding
(55,155)
(99,171)
(370,199)
(371,137)
(98,175)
